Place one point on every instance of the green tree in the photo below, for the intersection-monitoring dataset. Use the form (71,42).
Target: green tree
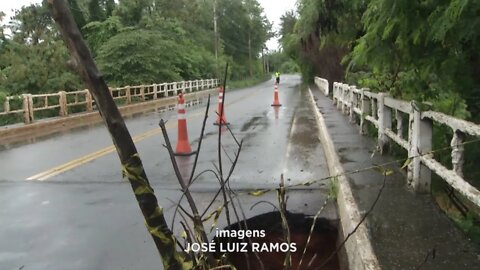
(32,24)
(98,33)
(77,13)
(131,12)
(422,50)
(243,30)
(323,33)
(95,10)
(109,7)
(36,68)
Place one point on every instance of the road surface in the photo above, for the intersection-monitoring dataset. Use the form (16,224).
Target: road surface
(64,204)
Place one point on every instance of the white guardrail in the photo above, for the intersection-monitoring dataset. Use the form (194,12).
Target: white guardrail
(382,110)
(28,104)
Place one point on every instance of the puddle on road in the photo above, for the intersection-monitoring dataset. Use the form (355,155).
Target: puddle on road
(252,123)
(321,246)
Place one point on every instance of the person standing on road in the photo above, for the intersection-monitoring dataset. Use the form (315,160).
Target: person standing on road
(277,77)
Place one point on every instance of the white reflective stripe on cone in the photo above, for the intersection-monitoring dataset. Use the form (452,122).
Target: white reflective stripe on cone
(181,106)
(182,116)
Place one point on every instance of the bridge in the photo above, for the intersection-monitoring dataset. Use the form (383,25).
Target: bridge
(66,206)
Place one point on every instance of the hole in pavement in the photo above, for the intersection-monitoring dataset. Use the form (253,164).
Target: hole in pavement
(321,246)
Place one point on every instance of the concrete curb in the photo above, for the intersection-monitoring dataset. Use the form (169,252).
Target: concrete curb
(12,134)
(359,250)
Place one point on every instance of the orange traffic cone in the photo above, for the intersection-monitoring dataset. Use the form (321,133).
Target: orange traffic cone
(276,102)
(183,146)
(221,119)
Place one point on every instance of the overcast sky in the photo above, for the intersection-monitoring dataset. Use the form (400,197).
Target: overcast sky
(273,9)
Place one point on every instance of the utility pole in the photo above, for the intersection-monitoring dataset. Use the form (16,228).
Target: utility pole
(263,61)
(215,30)
(268,64)
(250,54)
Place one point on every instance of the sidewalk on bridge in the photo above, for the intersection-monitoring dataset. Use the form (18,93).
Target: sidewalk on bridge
(404,227)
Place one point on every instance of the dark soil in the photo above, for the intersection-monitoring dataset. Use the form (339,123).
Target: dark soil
(321,245)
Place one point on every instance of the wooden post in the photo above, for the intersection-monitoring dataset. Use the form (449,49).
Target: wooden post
(62,100)
(384,122)
(421,144)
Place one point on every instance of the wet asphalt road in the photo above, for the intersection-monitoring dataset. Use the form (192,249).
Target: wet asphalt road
(86,217)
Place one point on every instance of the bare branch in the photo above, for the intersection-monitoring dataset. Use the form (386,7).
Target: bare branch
(197,222)
(267,202)
(312,227)
(220,166)
(358,225)
(286,229)
(183,194)
(202,134)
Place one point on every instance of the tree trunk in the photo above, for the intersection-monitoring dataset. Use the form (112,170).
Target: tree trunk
(127,152)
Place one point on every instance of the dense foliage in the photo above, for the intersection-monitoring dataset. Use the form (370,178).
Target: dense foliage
(423,50)
(134,42)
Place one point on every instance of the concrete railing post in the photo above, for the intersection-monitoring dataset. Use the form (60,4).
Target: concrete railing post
(399,119)
(327,88)
(457,152)
(352,104)
(420,144)
(142,92)
(365,109)
(334,93)
(345,98)
(6,105)
(88,100)
(155,91)
(27,108)
(341,98)
(128,95)
(62,100)
(384,122)
(175,89)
